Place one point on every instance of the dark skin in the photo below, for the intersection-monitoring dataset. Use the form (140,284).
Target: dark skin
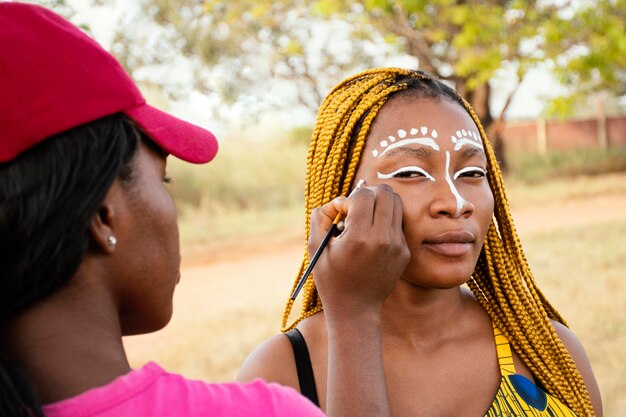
(71,341)
(438,351)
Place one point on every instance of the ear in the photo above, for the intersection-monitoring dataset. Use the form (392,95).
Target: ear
(102,224)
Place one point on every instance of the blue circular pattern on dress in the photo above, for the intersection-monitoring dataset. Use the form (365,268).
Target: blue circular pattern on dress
(529,392)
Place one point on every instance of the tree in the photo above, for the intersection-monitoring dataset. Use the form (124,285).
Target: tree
(595,62)
(470,43)
(247,49)
(466,42)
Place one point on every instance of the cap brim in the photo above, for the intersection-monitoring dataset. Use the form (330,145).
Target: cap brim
(182,139)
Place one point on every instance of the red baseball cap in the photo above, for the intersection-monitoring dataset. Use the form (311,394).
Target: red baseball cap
(54,77)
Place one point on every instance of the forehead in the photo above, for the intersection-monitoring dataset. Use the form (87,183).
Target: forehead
(404,113)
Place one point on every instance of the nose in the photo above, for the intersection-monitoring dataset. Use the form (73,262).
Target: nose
(448,201)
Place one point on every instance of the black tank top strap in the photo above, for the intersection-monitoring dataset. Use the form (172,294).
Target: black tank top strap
(303,365)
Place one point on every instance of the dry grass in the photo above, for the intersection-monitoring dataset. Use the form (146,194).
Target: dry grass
(574,237)
(581,271)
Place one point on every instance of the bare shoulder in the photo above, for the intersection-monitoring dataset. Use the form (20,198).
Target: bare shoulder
(273,361)
(578,354)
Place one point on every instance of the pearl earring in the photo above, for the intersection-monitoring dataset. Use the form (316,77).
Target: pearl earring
(111,241)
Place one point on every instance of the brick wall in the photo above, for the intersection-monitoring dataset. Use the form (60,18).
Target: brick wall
(554,135)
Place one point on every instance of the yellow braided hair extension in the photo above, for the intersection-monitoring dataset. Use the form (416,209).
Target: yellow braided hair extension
(502,281)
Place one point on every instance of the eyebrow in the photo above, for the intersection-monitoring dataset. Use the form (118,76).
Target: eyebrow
(468,152)
(421,152)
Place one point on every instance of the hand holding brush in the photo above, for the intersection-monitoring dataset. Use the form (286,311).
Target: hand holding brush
(331,231)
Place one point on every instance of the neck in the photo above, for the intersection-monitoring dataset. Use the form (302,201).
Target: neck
(69,342)
(426,317)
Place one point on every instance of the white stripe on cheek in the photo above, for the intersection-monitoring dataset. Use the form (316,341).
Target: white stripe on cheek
(459,200)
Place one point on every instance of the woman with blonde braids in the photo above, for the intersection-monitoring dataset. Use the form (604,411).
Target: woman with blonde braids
(432,217)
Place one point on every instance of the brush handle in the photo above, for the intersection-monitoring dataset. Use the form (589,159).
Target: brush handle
(316,256)
(319,250)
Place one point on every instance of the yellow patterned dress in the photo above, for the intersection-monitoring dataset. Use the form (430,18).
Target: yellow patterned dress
(519,396)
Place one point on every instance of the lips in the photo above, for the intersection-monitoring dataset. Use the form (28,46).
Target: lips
(453,243)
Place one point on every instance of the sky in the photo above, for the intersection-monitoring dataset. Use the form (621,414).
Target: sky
(526,104)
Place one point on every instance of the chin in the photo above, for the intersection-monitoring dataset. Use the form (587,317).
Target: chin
(145,325)
(441,279)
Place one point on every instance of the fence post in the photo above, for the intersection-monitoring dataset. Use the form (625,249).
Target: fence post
(542,137)
(603,141)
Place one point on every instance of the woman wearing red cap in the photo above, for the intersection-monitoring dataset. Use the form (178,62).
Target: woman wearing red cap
(89,247)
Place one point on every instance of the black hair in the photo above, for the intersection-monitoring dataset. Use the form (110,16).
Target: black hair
(426,86)
(48,195)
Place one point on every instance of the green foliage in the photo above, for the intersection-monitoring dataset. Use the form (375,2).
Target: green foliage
(451,33)
(597,41)
(561,107)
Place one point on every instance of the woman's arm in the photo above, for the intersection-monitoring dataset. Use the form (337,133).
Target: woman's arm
(355,274)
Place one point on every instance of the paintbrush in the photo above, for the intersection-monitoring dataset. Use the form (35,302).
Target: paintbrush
(318,252)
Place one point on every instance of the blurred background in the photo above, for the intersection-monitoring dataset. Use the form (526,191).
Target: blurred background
(547,78)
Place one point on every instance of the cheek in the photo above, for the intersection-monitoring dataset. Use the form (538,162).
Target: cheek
(484,208)
(161,220)
(170,219)
(414,213)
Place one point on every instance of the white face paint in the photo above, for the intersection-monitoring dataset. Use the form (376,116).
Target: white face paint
(406,170)
(422,136)
(464,137)
(460,201)
(424,139)
(473,170)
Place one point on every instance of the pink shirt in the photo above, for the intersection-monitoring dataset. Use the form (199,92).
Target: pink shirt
(151,391)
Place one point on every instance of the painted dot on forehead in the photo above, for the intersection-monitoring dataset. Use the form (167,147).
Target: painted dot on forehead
(404,140)
(468,137)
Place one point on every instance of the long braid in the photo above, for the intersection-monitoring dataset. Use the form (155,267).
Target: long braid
(502,281)
(536,340)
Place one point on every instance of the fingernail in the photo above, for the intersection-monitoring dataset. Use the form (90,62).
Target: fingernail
(358,185)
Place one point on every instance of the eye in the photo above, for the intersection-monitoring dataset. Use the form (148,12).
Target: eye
(406,172)
(471,172)
(409,174)
(167,180)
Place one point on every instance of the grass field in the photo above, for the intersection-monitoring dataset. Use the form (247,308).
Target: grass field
(573,231)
